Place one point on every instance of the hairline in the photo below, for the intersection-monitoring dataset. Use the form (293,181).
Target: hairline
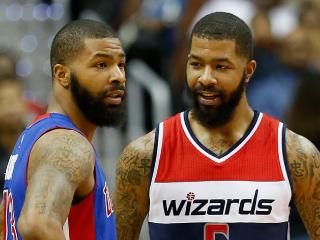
(236,47)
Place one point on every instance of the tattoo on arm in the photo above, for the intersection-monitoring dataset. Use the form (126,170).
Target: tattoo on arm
(131,194)
(304,162)
(60,163)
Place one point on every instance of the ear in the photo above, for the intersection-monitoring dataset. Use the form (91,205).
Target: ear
(61,74)
(250,68)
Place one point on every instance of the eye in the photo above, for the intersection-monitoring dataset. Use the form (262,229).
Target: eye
(101,65)
(195,64)
(122,65)
(221,67)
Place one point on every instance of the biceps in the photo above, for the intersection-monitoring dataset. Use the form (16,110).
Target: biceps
(130,199)
(131,202)
(130,208)
(49,194)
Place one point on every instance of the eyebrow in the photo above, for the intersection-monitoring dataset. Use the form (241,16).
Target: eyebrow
(107,55)
(218,59)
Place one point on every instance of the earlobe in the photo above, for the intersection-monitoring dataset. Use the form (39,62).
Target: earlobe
(62,75)
(251,67)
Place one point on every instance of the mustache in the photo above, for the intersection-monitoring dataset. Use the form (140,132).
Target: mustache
(210,89)
(115,87)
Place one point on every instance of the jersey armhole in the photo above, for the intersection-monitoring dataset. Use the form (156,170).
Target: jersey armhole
(285,158)
(154,155)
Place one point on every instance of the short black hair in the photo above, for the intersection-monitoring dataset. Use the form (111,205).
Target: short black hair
(69,41)
(226,26)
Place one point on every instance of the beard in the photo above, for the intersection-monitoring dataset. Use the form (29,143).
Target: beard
(217,116)
(94,107)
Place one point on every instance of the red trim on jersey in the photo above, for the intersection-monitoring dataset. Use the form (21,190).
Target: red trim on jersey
(43,116)
(81,219)
(257,160)
(5,214)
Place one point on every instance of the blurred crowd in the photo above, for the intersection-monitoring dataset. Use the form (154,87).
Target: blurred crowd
(286,84)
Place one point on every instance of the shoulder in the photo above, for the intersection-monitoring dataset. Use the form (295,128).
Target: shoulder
(65,151)
(141,147)
(134,163)
(303,156)
(298,146)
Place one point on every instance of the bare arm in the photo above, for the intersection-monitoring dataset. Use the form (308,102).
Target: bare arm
(131,193)
(60,170)
(304,163)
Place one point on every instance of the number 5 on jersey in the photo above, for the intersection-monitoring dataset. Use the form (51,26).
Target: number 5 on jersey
(216,231)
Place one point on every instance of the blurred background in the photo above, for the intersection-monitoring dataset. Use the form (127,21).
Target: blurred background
(155,35)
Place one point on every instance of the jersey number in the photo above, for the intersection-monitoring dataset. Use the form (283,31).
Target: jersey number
(211,231)
(8,213)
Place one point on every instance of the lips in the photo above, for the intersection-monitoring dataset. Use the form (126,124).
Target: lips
(114,97)
(209,94)
(115,93)
(209,98)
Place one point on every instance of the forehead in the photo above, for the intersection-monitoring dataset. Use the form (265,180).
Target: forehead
(213,47)
(110,46)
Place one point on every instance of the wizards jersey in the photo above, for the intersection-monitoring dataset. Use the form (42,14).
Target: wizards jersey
(243,194)
(90,219)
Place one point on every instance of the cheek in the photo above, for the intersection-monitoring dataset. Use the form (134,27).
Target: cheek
(191,82)
(192,77)
(96,81)
(230,80)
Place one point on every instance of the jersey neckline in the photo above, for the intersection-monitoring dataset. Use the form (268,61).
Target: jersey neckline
(232,150)
(48,115)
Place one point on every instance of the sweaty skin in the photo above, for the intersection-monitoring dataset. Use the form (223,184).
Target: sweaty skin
(133,172)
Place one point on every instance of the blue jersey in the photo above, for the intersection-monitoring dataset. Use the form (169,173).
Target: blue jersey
(92,218)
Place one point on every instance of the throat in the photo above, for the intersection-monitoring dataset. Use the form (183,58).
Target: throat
(222,140)
(218,146)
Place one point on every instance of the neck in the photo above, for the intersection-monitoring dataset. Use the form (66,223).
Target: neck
(68,107)
(232,131)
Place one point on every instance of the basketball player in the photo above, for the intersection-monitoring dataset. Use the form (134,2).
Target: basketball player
(55,187)
(219,170)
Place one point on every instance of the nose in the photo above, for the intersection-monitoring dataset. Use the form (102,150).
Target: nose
(117,75)
(207,77)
